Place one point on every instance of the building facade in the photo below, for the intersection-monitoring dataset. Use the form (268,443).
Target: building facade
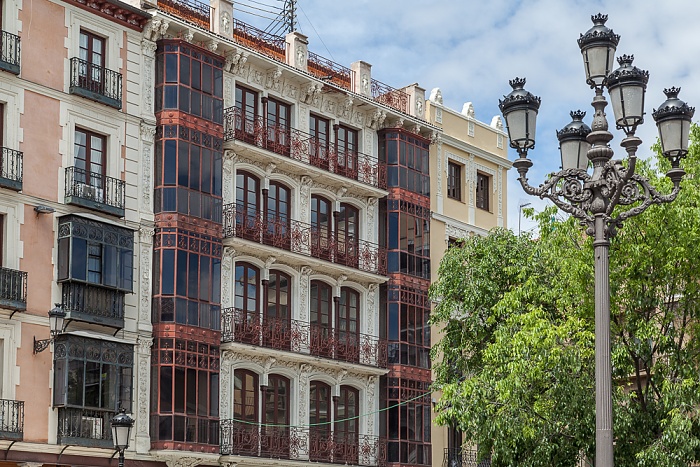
(469,165)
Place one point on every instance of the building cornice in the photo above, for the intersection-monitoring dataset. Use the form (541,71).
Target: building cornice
(114,10)
(459,225)
(456,143)
(467,118)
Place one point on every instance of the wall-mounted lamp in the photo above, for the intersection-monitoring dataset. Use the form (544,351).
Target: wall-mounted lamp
(56,317)
(43,209)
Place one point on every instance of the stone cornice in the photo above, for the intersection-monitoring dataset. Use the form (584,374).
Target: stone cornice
(114,10)
(448,140)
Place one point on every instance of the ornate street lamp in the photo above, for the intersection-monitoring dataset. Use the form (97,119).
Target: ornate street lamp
(121,432)
(56,318)
(593,197)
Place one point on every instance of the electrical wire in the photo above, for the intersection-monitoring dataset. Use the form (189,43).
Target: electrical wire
(246,422)
(317,34)
(257,8)
(258,15)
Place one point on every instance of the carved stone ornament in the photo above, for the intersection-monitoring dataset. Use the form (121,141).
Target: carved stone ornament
(436,96)
(226,22)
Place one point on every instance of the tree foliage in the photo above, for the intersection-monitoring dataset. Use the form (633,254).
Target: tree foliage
(515,362)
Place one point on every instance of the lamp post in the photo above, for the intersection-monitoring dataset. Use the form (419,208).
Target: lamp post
(592,197)
(56,317)
(121,432)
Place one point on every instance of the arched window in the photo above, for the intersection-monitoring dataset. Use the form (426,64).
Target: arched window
(247,206)
(321,231)
(244,433)
(347,228)
(277,214)
(275,439)
(278,311)
(347,409)
(321,324)
(347,326)
(246,304)
(319,421)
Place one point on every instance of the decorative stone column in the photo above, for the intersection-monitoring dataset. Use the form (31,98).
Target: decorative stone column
(143,383)
(145,284)
(148,47)
(226,277)
(363,78)
(297,50)
(146,167)
(222,18)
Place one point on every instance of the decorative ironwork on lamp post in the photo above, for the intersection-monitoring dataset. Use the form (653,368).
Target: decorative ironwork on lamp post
(593,197)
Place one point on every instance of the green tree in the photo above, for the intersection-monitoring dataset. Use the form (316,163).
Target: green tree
(515,363)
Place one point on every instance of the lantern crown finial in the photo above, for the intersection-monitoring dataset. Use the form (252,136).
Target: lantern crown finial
(673,106)
(599,32)
(600,19)
(576,128)
(517,83)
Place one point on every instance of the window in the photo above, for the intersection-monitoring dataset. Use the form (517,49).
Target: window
(90,373)
(320,323)
(92,61)
(347,325)
(278,126)
(278,311)
(454,181)
(408,238)
(246,121)
(95,253)
(319,421)
(245,409)
(278,215)
(408,327)
(247,205)
(482,191)
(347,224)
(90,160)
(347,409)
(321,232)
(274,439)
(408,421)
(319,129)
(346,148)
(408,161)
(246,303)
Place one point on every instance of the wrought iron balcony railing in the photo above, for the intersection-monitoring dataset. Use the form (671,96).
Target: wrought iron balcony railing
(95,82)
(248,327)
(9,52)
(387,95)
(13,289)
(315,445)
(189,10)
(11,169)
(11,420)
(330,71)
(95,191)
(93,304)
(305,239)
(461,457)
(268,44)
(302,147)
(85,427)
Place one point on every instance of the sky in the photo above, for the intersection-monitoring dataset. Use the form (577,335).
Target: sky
(470,49)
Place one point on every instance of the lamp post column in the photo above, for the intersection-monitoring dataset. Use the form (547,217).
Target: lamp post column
(603,373)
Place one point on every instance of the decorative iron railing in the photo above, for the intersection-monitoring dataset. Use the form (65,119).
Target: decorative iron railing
(11,419)
(330,72)
(9,52)
(248,327)
(305,239)
(247,439)
(387,95)
(11,168)
(303,147)
(95,82)
(95,191)
(89,303)
(269,44)
(85,427)
(13,289)
(189,10)
(461,457)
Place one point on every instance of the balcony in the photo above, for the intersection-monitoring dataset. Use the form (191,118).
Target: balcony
(303,148)
(85,427)
(13,289)
(9,52)
(94,191)
(189,10)
(385,94)
(11,169)
(460,457)
(247,327)
(257,39)
(304,239)
(330,71)
(95,82)
(11,420)
(93,304)
(302,444)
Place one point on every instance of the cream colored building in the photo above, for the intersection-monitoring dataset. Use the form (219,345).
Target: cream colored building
(469,166)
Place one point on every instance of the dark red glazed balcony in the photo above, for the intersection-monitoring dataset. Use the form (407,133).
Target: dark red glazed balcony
(315,445)
(247,327)
(305,239)
(302,147)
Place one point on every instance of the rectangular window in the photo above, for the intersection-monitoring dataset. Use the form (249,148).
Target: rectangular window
(482,191)
(454,181)
(92,61)
(90,151)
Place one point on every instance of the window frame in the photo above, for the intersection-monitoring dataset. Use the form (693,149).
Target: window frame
(482,199)
(89,174)
(454,180)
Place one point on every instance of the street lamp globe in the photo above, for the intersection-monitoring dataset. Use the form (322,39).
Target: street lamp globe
(121,430)
(673,119)
(598,46)
(626,87)
(56,318)
(519,109)
(573,144)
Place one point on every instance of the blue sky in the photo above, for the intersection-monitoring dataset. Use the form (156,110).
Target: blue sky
(471,48)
